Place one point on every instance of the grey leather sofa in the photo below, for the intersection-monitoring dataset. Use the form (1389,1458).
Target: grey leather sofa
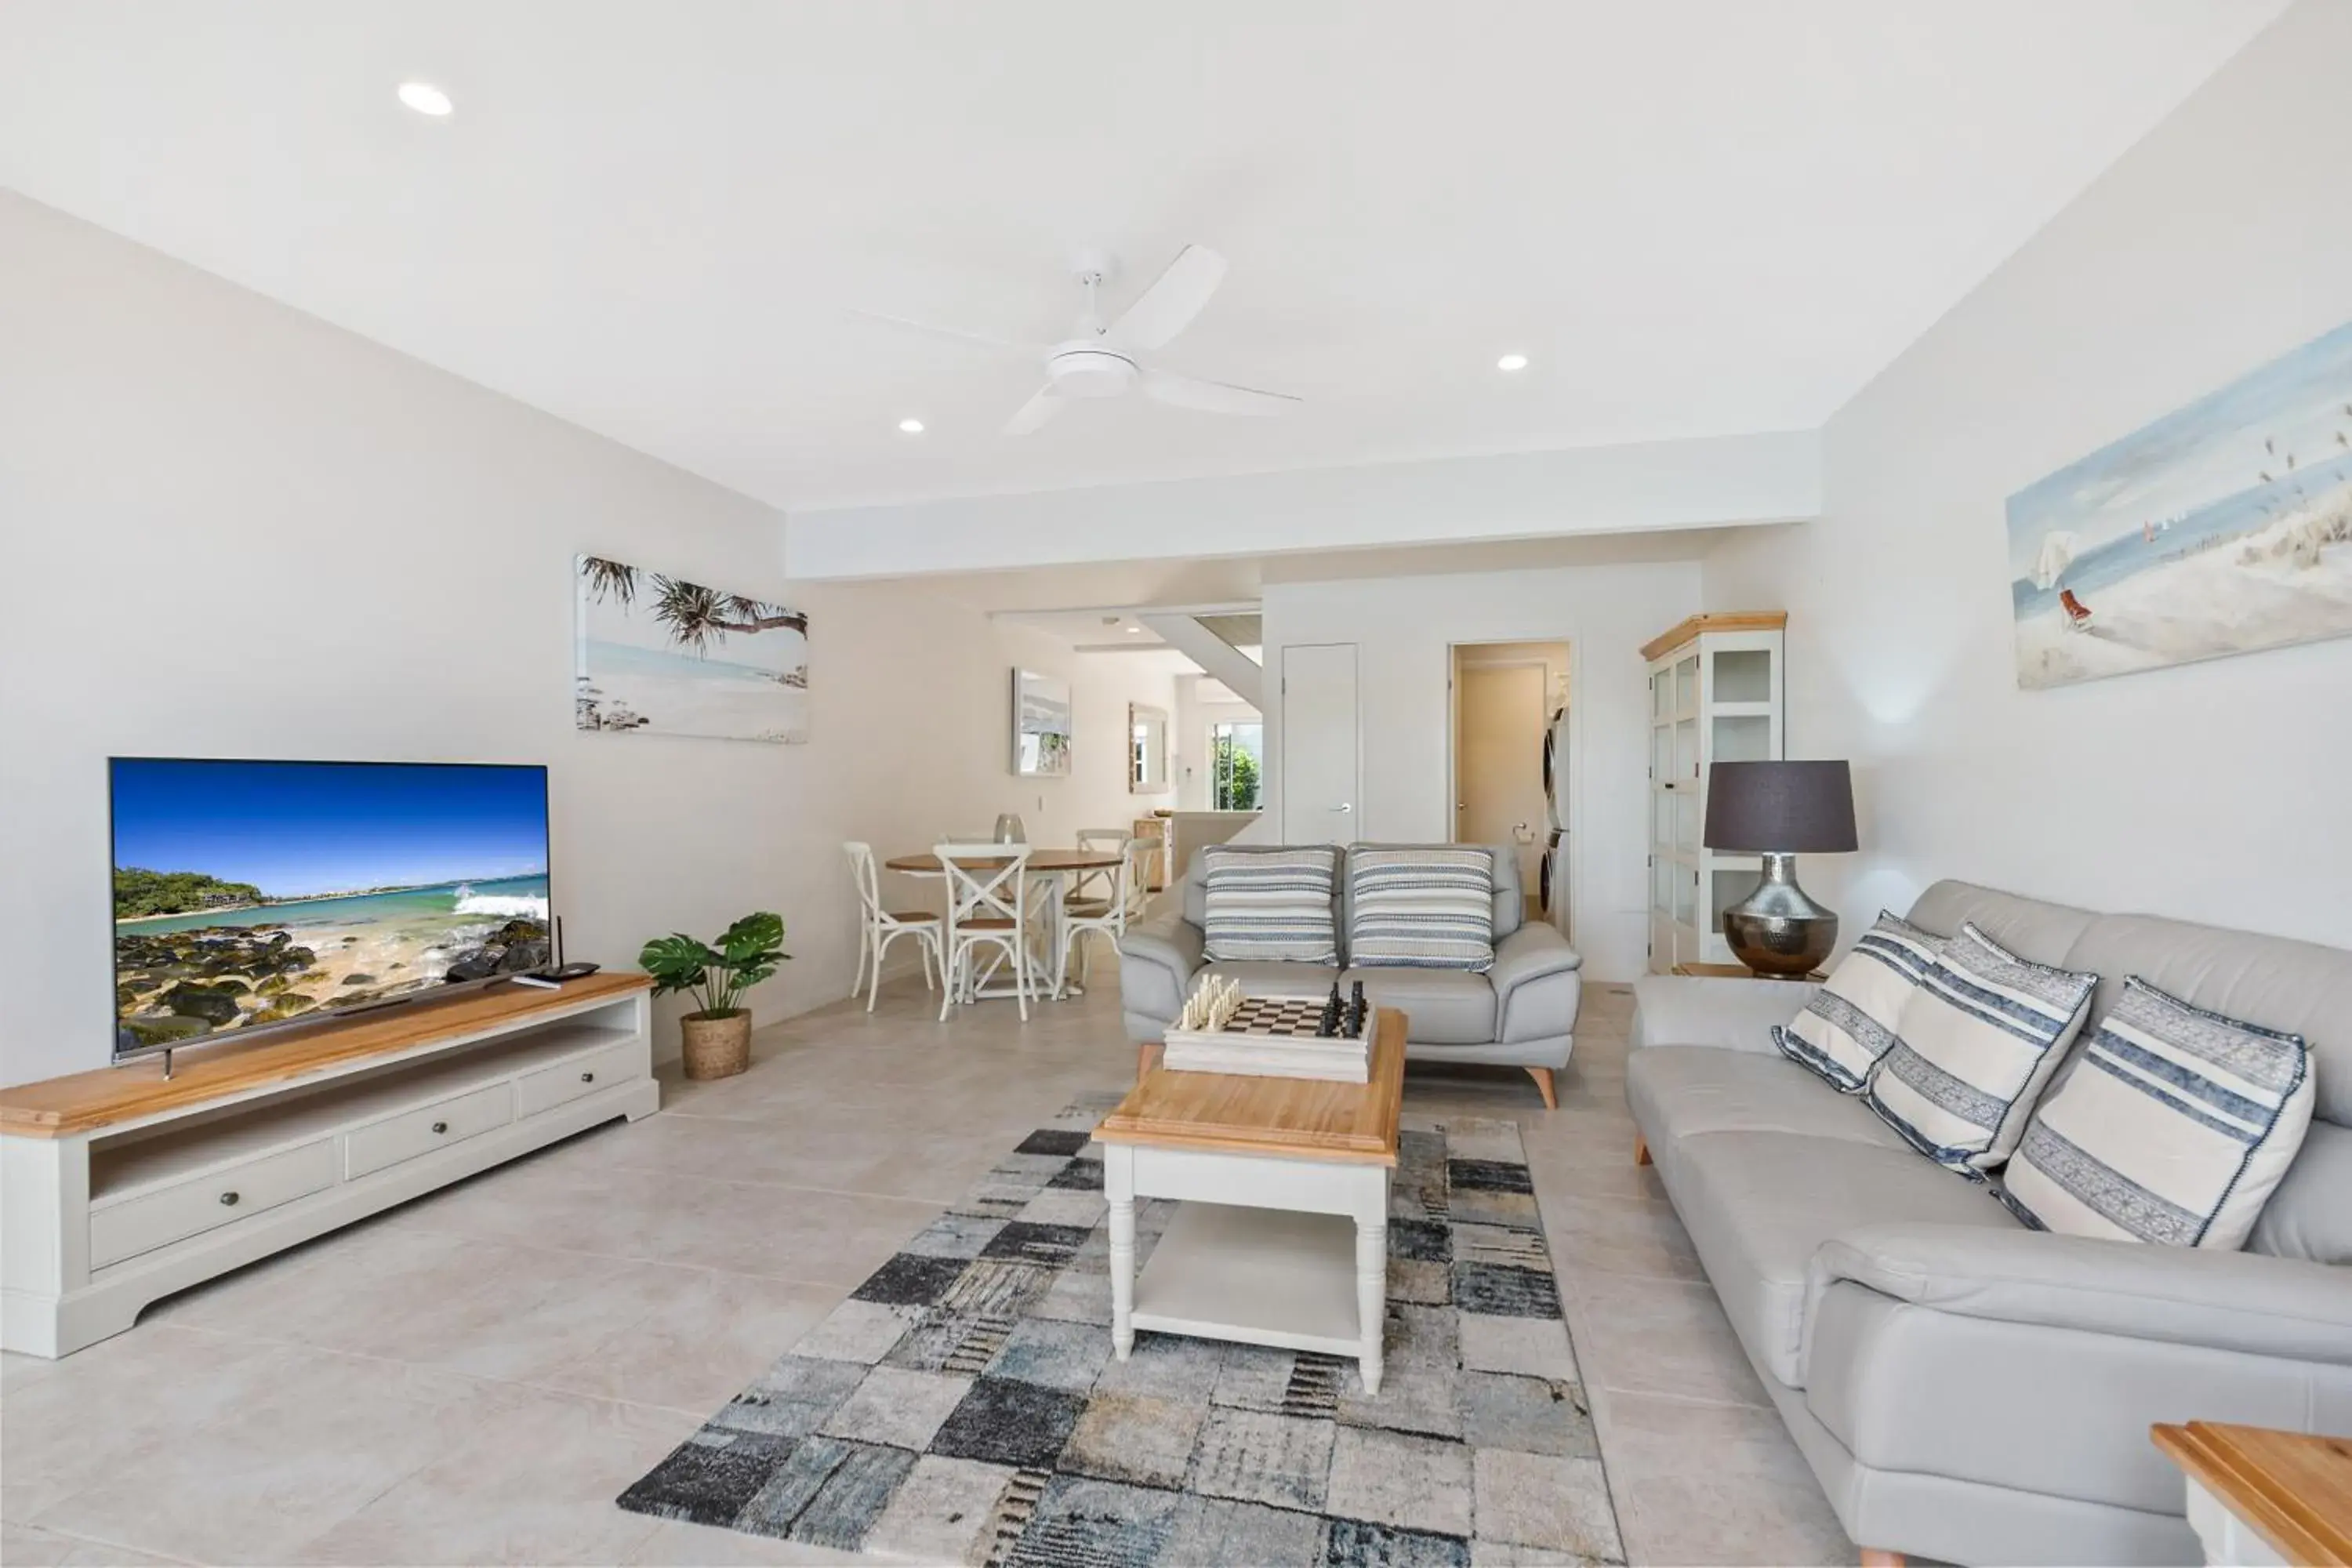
(1964,1388)
(1521,1013)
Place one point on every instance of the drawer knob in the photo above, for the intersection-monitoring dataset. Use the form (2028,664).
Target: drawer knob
(587,1077)
(440,1127)
(229,1199)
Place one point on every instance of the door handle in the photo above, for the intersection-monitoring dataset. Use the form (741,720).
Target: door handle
(1345,806)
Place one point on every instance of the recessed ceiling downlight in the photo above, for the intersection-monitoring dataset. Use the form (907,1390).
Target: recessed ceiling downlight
(1512,362)
(425,98)
(911,426)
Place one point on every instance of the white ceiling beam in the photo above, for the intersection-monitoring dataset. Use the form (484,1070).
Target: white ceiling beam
(1707,482)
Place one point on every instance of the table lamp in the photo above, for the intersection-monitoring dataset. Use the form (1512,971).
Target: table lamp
(1779,810)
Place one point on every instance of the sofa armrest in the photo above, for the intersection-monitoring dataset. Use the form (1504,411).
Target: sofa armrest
(1157,960)
(1697,1010)
(1530,953)
(1538,984)
(2244,1301)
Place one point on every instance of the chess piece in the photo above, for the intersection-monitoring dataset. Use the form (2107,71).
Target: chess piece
(1328,1025)
(1356,1010)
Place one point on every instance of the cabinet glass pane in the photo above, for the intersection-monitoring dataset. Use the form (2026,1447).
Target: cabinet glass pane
(1661,886)
(1662,695)
(1662,752)
(1662,818)
(1686,821)
(1732,883)
(1747,738)
(1743,675)
(1686,684)
(1686,752)
(1686,888)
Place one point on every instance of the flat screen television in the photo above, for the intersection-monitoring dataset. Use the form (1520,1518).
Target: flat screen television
(253,894)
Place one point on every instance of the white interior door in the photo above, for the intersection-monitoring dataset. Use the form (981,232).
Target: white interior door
(1318,775)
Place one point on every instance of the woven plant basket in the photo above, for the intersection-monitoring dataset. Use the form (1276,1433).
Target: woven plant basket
(717,1046)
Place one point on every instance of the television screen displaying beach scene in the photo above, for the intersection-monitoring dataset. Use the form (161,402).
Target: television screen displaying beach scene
(255,893)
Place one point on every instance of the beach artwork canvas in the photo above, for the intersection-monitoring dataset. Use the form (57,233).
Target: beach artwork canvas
(669,656)
(253,893)
(1041,724)
(2223,528)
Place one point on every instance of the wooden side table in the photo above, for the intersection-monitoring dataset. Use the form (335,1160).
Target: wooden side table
(2259,1496)
(1735,972)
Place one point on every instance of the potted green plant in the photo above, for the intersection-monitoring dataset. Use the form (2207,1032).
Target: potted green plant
(717,1034)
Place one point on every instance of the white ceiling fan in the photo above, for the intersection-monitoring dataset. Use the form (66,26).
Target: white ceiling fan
(1102,360)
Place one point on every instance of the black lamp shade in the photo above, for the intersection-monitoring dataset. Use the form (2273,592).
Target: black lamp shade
(1781,808)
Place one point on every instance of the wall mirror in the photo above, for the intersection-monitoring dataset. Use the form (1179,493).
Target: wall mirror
(1147,750)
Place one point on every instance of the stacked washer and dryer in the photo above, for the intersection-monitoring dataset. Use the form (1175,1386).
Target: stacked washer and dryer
(1551,882)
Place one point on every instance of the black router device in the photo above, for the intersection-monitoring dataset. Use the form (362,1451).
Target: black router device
(556,973)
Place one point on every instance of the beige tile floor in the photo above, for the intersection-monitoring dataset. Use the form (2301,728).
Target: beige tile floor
(472,1378)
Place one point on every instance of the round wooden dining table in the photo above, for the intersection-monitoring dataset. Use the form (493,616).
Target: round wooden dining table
(1049,866)
(1042,862)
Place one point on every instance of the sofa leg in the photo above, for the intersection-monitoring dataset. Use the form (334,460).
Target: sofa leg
(1544,1087)
(1873,1558)
(1641,1150)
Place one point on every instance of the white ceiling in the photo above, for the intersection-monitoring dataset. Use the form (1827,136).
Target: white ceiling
(1698,216)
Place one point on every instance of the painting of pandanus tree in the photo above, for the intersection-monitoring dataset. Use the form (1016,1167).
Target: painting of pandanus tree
(659,654)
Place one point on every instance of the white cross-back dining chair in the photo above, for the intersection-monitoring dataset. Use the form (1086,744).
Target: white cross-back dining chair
(988,907)
(1105,913)
(1088,886)
(878,927)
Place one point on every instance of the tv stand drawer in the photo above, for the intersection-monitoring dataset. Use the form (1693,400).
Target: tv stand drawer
(371,1148)
(577,1079)
(208,1202)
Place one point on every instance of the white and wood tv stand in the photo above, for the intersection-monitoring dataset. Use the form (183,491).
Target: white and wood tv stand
(120,1186)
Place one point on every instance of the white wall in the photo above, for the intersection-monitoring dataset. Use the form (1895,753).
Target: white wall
(1704,482)
(2213,792)
(1404,627)
(234,530)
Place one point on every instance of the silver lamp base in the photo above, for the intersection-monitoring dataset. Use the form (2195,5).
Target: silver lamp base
(1777,930)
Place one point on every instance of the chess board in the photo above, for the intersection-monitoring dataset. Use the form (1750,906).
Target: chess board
(1294,1017)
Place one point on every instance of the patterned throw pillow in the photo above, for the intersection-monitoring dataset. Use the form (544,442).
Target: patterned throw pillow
(2173,1127)
(1421,909)
(1269,904)
(1978,1039)
(1850,1022)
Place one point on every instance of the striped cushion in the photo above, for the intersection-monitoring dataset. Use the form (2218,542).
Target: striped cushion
(2173,1127)
(1850,1022)
(1421,909)
(1269,904)
(1979,1037)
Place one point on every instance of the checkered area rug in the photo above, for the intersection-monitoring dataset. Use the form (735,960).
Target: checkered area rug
(964,1404)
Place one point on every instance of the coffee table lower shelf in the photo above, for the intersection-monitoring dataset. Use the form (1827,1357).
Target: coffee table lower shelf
(1263,1277)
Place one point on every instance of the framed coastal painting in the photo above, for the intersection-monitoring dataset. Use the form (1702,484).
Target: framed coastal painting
(1041,724)
(2223,528)
(667,657)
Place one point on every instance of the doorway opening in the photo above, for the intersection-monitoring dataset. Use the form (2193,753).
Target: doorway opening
(1512,777)
(1236,763)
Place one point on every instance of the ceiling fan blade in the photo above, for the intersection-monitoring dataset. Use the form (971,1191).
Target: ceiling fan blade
(1215,396)
(1175,297)
(1034,413)
(956,333)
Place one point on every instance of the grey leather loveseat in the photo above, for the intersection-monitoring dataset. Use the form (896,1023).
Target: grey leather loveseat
(1966,1388)
(1521,1013)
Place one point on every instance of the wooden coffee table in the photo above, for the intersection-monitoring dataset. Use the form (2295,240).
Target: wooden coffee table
(1282,1235)
(2256,1495)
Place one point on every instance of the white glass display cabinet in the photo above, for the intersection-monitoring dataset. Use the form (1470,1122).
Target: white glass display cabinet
(1717,695)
